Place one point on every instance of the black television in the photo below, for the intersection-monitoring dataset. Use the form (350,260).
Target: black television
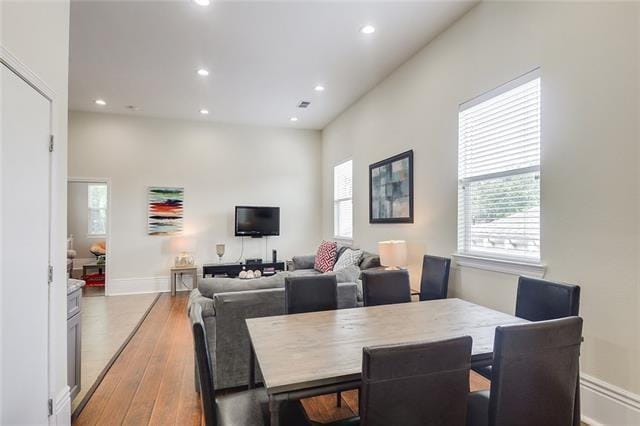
(257,221)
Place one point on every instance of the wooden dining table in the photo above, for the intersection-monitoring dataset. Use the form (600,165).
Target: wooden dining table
(305,355)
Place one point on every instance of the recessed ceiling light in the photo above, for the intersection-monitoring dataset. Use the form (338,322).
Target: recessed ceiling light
(368,29)
(319,88)
(293,119)
(202,72)
(202,2)
(204,111)
(100,102)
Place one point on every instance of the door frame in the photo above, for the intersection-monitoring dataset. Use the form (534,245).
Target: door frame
(106,181)
(58,399)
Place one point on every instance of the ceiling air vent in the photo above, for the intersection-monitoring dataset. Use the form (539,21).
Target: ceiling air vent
(304,104)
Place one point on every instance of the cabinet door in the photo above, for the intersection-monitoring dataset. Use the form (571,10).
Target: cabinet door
(24,290)
(74,344)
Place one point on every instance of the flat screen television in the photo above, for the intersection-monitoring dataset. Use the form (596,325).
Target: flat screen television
(257,221)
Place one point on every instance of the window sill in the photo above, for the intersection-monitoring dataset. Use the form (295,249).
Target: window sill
(96,237)
(344,240)
(514,267)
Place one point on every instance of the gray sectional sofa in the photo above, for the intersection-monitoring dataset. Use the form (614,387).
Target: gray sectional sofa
(228,302)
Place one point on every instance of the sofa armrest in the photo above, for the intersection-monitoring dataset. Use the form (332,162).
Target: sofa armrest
(304,262)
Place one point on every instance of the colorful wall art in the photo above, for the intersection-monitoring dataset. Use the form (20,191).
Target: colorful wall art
(165,210)
(391,190)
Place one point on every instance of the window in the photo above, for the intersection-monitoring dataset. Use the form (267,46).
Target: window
(97,208)
(342,200)
(499,172)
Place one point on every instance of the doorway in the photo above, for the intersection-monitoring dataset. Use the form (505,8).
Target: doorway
(88,234)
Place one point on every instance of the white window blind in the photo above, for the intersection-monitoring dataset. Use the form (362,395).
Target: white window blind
(499,172)
(342,200)
(97,209)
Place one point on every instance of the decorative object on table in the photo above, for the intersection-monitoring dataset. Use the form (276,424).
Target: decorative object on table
(250,275)
(349,257)
(326,256)
(165,210)
(274,255)
(391,190)
(184,248)
(220,251)
(242,275)
(257,273)
(393,253)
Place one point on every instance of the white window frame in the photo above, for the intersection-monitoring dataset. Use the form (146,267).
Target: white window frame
(480,260)
(92,209)
(337,201)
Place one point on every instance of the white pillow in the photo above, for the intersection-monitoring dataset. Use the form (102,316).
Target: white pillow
(349,257)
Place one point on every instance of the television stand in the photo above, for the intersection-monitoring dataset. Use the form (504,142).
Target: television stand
(233,269)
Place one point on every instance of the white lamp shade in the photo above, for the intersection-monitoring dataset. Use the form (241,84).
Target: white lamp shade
(183,244)
(393,253)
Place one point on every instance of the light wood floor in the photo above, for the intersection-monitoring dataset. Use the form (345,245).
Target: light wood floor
(151,382)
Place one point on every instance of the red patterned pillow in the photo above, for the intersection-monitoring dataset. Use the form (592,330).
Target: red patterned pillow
(326,256)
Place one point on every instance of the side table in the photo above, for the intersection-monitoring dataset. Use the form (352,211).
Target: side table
(190,270)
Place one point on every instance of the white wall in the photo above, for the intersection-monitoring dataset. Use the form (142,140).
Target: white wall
(37,33)
(588,54)
(220,166)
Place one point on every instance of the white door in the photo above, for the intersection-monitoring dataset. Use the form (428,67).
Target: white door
(25,188)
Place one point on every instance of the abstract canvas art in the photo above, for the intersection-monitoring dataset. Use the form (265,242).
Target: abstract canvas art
(391,190)
(165,210)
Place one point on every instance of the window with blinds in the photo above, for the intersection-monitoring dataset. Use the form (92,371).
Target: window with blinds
(342,200)
(499,172)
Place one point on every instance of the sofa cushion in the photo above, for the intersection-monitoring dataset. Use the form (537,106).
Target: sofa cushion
(326,256)
(349,257)
(210,286)
(348,274)
(303,262)
(369,260)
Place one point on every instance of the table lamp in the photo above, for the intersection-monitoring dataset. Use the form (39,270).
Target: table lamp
(393,253)
(183,246)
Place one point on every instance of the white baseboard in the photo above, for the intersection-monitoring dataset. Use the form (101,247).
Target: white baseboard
(606,404)
(61,409)
(120,286)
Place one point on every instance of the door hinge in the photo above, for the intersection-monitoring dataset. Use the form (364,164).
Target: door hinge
(50,274)
(50,403)
(50,143)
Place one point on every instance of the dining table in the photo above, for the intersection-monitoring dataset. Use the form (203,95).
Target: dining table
(317,353)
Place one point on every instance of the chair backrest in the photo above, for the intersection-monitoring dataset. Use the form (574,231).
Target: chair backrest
(416,384)
(385,287)
(541,300)
(310,294)
(535,370)
(203,364)
(435,277)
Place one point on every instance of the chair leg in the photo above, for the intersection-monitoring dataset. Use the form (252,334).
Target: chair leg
(339,399)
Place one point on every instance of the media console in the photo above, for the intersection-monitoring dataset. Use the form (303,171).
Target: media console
(233,269)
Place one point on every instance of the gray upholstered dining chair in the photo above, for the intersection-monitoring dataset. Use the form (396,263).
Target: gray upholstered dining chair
(535,373)
(310,294)
(434,283)
(385,287)
(247,408)
(416,384)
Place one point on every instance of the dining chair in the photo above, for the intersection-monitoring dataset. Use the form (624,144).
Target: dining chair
(416,384)
(535,371)
(310,294)
(247,408)
(385,287)
(434,283)
(542,300)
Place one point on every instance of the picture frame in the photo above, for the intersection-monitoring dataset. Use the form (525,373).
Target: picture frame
(391,189)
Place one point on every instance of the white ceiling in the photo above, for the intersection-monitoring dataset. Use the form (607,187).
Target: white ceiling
(264,57)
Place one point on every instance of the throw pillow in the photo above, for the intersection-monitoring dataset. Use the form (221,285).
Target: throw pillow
(349,257)
(326,256)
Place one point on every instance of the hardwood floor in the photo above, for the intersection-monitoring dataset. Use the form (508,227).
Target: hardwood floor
(152,380)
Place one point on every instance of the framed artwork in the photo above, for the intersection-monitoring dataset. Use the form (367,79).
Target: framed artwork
(391,189)
(165,210)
